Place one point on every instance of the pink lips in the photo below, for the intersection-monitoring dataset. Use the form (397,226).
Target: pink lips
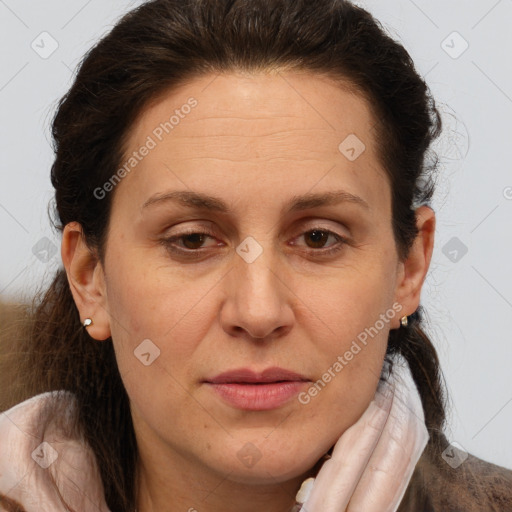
(248,390)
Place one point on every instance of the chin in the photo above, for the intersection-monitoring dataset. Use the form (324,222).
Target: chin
(252,466)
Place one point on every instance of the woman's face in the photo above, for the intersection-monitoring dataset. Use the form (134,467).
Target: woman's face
(270,284)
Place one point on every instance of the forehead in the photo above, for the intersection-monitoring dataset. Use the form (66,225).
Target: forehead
(258,130)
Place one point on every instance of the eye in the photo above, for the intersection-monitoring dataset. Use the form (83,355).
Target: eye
(192,240)
(319,237)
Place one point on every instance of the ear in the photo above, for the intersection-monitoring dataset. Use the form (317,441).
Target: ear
(413,271)
(86,280)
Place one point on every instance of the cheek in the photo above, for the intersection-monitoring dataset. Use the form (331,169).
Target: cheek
(157,311)
(355,312)
(349,375)
(145,299)
(350,302)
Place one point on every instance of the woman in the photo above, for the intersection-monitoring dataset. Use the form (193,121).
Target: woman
(243,192)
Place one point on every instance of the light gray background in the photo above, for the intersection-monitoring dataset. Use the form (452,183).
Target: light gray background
(468,297)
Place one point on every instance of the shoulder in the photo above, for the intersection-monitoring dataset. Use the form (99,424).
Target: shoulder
(447,479)
(43,459)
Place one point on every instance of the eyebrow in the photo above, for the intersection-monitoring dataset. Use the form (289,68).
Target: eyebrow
(198,200)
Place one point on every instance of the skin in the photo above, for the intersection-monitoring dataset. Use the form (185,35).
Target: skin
(254,141)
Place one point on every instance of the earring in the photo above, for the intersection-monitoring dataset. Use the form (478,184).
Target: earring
(87,322)
(404,321)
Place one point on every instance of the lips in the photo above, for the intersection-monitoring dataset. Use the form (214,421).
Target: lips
(248,390)
(247,376)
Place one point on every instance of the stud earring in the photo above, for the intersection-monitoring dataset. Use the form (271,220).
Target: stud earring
(87,322)
(404,321)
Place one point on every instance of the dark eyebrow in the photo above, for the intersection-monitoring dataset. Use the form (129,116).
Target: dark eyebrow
(191,200)
(311,200)
(297,203)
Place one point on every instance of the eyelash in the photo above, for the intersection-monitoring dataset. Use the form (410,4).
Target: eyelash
(169,242)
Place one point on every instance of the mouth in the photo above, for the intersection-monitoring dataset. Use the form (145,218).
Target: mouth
(248,376)
(246,389)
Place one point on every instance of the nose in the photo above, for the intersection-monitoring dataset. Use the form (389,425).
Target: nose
(258,304)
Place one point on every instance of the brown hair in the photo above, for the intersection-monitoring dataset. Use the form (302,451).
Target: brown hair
(152,49)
